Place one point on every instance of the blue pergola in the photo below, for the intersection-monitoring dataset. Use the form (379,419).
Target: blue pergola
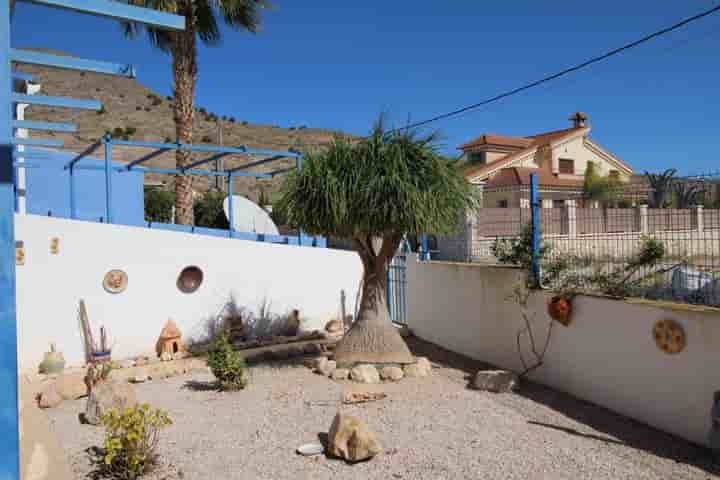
(9,447)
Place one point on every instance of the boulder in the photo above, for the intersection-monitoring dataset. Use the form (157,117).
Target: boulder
(365,374)
(497,381)
(351,439)
(421,368)
(71,386)
(107,395)
(334,326)
(326,367)
(49,397)
(340,374)
(391,373)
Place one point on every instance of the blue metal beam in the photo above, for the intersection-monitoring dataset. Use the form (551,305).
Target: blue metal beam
(147,157)
(49,126)
(38,142)
(82,155)
(259,162)
(56,101)
(204,148)
(17,75)
(9,424)
(71,63)
(118,11)
(205,173)
(33,154)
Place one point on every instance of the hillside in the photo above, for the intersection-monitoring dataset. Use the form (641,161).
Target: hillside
(135,109)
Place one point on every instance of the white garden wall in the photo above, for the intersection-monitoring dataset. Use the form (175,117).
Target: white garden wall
(49,286)
(607,356)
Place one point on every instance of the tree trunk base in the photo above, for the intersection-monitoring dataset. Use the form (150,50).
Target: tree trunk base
(372,342)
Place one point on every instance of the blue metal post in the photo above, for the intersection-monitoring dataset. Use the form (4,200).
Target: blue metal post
(231,215)
(108,178)
(424,248)
(535,224)
(10,445)
(73,213)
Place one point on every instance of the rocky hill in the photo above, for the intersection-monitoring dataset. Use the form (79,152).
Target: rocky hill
(136,112)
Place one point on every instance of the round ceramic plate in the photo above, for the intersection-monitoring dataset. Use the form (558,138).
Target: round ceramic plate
(310,449)
(115,281)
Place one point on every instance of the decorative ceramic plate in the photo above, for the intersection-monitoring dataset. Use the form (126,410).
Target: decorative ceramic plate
(190,279)
(115,281)
(669,336)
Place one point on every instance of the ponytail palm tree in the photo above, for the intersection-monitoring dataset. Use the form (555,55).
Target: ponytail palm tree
(374,191)
(201,22)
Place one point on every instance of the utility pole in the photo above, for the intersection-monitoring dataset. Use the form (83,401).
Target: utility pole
(219,161)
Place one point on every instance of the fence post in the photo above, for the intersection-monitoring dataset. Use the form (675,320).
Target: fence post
(424,248)
(572,219)
(231,213)
(535,226)
(643,220)
(697,221)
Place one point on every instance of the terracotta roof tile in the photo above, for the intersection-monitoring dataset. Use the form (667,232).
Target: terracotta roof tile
(500,140)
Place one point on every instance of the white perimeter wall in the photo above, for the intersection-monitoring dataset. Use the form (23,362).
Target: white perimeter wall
(49,287)
(607,356)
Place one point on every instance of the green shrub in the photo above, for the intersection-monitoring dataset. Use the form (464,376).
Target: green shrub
(227,365)
(158,205)
(102,110)
(131,439)
(208,210)
(206,139)
(130,131)
(244,122)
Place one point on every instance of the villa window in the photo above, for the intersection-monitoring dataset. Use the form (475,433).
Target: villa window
(567,166)
(477,157)
(502,204)
(614,174)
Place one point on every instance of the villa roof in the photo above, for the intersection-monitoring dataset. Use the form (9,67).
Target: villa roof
(531,143)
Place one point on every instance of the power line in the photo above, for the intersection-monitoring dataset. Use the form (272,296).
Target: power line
(565,72)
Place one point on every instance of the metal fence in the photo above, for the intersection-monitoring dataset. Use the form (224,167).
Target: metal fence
(640,239)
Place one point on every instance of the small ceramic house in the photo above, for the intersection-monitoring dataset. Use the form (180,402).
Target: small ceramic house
(169,343)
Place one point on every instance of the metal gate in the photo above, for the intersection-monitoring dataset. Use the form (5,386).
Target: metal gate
(397,286)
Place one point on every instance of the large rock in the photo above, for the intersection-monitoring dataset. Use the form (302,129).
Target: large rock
(326,368)
(351,439)
(421,368)
(497,381)
(391,373)
(49,397)
(107,395)
(365,374)
(71,386)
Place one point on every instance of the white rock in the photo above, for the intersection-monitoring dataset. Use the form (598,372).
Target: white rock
(497,381)
(365,374)
(391,373)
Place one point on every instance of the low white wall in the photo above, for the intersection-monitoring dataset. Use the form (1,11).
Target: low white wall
(607,356)
(49,287)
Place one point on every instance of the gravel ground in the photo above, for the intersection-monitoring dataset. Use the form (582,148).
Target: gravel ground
(430,428)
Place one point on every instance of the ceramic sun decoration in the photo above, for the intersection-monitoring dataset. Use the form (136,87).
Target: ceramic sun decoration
(115,281)
(669,336)
(560,309)
(54,245)
(19,253)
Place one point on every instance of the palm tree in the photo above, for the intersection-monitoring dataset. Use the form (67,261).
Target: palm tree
(201,22)
(374,191)
(661,184)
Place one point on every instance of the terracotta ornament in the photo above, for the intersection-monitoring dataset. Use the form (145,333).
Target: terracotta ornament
(115,281)
(669,336)
(54,246)
(19,253)
(169,343)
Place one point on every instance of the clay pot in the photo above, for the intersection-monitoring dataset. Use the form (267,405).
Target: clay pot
(560,309)
(53,362)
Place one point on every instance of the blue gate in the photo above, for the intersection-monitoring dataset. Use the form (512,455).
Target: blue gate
(397,286)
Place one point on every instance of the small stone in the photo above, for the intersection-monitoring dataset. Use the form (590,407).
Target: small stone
(334,326)
(393,374)
(50,398)
(421,368)
(498,381)
(326,368)
(340,374)
(365,374)
(141,361)
(351,439)
(107,395)
(310,449)
(127,363)
(141,376)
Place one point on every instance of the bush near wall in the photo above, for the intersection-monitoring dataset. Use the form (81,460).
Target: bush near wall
(209,211)
(158,205)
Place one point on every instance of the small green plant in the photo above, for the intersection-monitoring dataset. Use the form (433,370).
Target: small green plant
(118,132)
(131,439)
(158,205)
(244,122)
(129,131)
(168,140)
(227,365)
(232,119)
(102,110)
(206,139)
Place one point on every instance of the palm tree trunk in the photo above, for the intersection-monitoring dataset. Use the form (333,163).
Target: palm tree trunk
(373,338)
(184,54)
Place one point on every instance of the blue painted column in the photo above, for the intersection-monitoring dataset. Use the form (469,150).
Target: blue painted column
(71,172)
(10,444)
(231,214)
(108,178)
(424,247)
(535,225)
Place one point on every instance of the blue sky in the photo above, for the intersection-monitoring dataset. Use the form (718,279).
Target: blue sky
(337,64)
